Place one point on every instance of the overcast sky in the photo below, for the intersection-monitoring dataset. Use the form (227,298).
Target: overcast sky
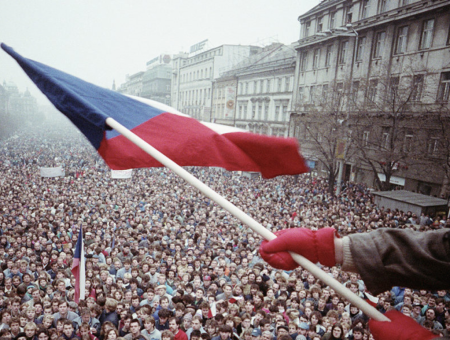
(103,40)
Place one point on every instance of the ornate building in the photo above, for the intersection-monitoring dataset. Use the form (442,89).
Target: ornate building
(380,71)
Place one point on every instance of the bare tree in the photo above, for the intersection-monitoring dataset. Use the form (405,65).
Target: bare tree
(322,129)
(386,117)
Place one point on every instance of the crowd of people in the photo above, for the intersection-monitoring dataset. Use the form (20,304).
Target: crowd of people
(164,262)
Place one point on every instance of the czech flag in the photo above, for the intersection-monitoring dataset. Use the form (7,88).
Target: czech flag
(186,141)
(78,269)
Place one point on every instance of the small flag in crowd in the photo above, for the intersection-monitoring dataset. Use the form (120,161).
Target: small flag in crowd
(78,268)
(186,141)
(370,299)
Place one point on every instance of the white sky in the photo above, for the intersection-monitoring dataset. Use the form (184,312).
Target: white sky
(103,40)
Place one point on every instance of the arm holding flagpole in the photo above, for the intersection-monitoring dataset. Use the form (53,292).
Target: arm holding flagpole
(253,224)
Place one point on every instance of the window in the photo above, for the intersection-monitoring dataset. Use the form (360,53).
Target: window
(277,113)
(339,93)
(246,88)
(348,15)
(307,28)
(433,146)
(304,65)
(324,91)
(316,59)
(417,87)
(355,89)
(404,2)
(255,87)
(379,45)
(393,84)
(365,138)
(266,112)
(448,36)
(365,6)
(280,83)
(307,133)
(408,142)
(287,84)
(261,86)
(312,94)
(360,48)
(385,138)
(253,111)
(284,114)
(259,112)
(372,93)
(319,24)
(444,87)
(332,20)
(328,56)
(343,52)
(402,35)
(301,91)
(268,86)
(427,34)
(382,6)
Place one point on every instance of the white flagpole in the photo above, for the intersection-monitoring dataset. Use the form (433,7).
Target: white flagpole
(238,213)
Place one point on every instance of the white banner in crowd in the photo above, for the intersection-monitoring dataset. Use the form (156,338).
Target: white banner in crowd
(121,173)
(52,172)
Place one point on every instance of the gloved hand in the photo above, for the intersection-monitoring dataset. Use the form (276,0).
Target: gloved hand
(401,327)
(316,246)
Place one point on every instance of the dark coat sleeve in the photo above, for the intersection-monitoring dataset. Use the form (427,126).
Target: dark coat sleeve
(402,257)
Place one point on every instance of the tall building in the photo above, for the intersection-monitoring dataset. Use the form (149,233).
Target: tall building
(256,94)
(193,77)
(17,109)
(133,84)
(156,81)
(359,58)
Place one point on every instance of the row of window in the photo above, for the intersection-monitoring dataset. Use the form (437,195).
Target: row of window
(202,56)
(433,144)
(195,96)
(261,112)
(281,84)
(413,94)
(379,45)
(329,20)
(197,75)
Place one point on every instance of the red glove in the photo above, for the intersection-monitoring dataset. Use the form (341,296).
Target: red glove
(316,246)
(401,327)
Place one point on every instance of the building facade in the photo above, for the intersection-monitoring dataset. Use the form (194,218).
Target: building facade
(256,94)
(133,84)
(193,77)
(16,109)
(353,57)
(156,81)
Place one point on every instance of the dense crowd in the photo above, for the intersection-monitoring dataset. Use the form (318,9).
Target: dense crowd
(164,262)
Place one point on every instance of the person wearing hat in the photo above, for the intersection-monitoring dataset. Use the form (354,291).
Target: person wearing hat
(21,336)
(187,321)
(282,330)
(302,331)
(256,333)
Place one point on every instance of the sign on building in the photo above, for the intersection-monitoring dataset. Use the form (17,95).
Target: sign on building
(199,46)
